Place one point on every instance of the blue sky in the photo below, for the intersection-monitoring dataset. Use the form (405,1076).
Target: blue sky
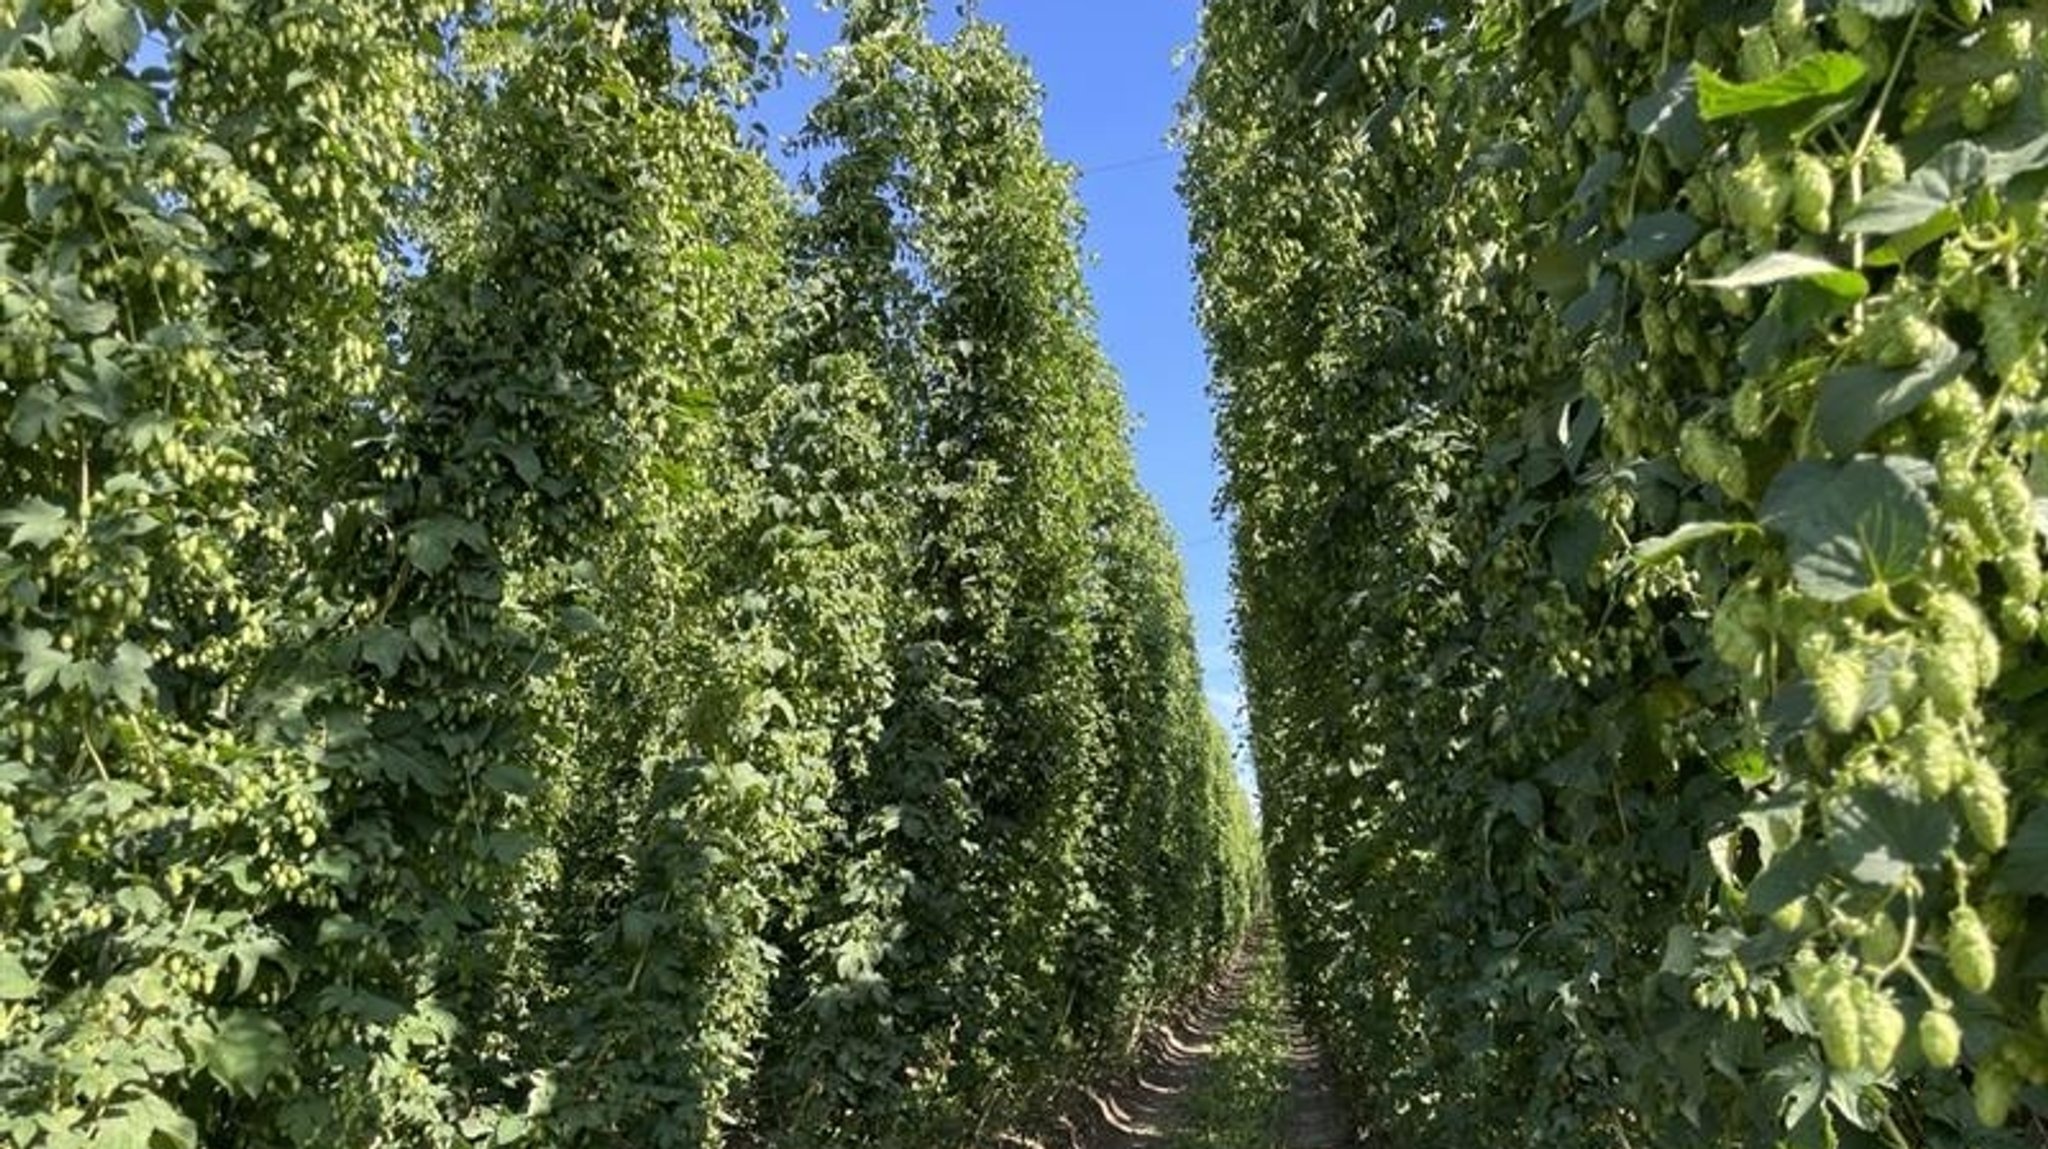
(1111,96)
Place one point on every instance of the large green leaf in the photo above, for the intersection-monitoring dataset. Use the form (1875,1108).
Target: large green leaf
(41,660)
(247,1050)
(145,1122)
(2025,869)
(1671,115)
(29,99)
(114,27)
(1940,185)
(1851,527)
(1656,237)
(1820,79)
(1879,838)
(1793,266)
(1855,402)
(16,983)
(1652,551)
(37,523)
(1792,874)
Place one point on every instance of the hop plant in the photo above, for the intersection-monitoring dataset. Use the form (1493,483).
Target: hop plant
(1963,656)
(1709,456)
(1749,409)
(1992,1094)
(1880,940)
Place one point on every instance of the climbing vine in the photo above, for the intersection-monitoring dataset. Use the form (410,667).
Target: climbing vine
(1631,417)
(520,629)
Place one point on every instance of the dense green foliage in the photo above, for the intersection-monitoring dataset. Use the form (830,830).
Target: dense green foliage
(1633,422)
(519,631)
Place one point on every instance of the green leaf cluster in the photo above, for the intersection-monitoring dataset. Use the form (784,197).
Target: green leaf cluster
(520,630)
(1638,553)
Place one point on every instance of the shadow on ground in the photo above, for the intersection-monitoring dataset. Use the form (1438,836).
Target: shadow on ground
(1146,1108)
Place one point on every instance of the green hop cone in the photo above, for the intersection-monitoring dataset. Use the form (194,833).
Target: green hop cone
(1992,1093)
(1971,956)
(1936,758)
(1838,690)
(1604,114)
(2012,506)
(1813,193)
(1788,19)
(1941,1039)
(1964,656)
(1756,195)
(1978,107)
(1883,166)
(1639,28)
(1880,1026)
(1839,1018)
(1758,58)
(1750,408)
(1880,942)
(1986,805)
(2010,330)
(2011,39)
(1852,25)
(1790,917)
(1904,336)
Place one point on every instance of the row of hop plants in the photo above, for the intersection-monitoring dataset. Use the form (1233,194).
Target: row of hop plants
(519,628)
(1633,420)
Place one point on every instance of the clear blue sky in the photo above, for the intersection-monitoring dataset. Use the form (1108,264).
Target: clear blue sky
(1111,96)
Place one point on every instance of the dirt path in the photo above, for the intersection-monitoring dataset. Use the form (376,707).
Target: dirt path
(1232,1072)
(1314,1119)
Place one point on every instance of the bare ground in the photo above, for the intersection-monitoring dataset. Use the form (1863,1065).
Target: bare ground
(1314,1119)
(1145,1108)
